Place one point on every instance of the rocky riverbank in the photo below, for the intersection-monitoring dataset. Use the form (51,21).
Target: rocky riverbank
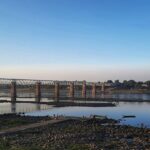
(79,134)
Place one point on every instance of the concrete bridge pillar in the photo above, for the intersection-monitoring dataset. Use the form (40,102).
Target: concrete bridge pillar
(13,91)
(93,90)
(103,87)
(57,90)
(84,89)
(38,91)
(13,107)
(71,90)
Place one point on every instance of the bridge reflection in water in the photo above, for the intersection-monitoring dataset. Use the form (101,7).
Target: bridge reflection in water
(27,88)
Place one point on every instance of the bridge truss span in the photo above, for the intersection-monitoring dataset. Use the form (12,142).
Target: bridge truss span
(29,88)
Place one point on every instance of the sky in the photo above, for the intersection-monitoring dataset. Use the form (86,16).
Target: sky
(94,40)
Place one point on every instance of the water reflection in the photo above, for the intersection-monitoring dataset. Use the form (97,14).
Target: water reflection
(122,96)
(13,107)
(21,107)
(131,96)
(140,109)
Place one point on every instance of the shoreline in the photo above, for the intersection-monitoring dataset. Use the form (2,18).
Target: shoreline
(80,133)
(65,104)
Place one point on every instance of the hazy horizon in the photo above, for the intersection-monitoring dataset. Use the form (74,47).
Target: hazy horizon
(57,72)
(75,40)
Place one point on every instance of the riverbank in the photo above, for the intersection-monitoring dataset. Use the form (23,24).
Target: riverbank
(15,120)
(130,91)
(78,134)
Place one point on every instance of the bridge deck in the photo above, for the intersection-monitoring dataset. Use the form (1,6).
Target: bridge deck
(16,88)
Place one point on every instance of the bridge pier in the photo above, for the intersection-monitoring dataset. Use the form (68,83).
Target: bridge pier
(57,91)
(93,90)
(71,90)
(84,89)
(13,107)
(103,87)
(13,91)
(38,91)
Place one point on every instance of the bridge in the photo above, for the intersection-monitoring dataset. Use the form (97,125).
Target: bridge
(29,88)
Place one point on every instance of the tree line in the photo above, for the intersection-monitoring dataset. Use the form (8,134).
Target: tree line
(129,84)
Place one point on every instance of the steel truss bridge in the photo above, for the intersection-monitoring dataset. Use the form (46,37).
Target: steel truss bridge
(29,88)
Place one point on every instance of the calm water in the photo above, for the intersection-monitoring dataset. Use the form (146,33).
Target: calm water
(140,109)
(22,107)
(122,96)
(131,96)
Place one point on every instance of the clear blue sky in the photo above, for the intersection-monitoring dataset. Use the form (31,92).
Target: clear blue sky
(72,38)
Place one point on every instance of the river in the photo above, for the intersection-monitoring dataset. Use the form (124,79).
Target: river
(140,109)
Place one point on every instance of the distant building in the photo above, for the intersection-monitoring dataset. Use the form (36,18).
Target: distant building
(144,85)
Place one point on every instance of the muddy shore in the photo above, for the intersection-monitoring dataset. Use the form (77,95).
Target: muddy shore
(64,104)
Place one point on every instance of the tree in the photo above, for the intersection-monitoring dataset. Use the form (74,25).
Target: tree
(139,84)
(131,83)
(147,83)
(125,84)
(117,83)
(109,81)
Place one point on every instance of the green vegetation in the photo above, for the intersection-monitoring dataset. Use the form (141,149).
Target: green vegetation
(13,120)
(12,123)
(131,84)
(4,144)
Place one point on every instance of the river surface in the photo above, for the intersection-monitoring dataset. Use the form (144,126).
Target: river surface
(140,109)
(145,97)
